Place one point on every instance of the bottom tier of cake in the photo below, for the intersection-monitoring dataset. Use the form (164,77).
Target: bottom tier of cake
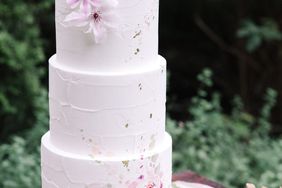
(67,170)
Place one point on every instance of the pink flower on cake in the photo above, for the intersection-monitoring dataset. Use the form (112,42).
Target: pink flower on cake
(98,19)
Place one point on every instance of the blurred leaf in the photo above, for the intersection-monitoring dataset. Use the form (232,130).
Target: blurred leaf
(256,34)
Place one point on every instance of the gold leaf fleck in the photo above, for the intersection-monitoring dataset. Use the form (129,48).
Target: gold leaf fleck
(137,51)
(140,86)
(125,163)
(137,34)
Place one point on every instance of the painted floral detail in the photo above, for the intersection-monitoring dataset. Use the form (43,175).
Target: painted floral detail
(150,185)
(155,177)
(133,185)
(97,17)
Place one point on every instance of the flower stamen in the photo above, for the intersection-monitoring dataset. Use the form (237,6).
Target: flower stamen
(96,16)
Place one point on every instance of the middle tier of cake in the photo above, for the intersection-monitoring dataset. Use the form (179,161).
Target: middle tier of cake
(107,114)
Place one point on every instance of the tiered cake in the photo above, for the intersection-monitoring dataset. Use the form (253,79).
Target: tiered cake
(107,98)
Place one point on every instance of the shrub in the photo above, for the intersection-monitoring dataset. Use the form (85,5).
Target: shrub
(19,169)
(23,99)
(231,149)
(20,160)
(21,51)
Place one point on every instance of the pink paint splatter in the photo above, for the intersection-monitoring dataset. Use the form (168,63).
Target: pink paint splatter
(150,185)
(141,177)
(133,185)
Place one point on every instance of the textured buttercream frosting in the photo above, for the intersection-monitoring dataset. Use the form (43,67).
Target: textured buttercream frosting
(62,169)
(111,114)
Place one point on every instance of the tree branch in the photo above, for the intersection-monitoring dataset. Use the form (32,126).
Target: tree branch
(223,46)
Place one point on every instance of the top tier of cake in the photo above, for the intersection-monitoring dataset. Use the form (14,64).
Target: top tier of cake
(107,35)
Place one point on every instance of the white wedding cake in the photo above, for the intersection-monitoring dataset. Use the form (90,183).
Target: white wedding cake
(107,93)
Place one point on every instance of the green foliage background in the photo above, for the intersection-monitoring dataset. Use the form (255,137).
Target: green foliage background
(20,54)
(231,149)
(214,134)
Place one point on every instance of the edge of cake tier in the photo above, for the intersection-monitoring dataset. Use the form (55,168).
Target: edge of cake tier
(153,64)
(61,169)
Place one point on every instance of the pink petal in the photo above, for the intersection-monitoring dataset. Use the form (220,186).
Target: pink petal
(133,185)
(77,19)
(71,2)
(85,6)
(100,33)
(95,3)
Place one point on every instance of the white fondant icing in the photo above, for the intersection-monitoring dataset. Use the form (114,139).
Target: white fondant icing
(135,45)
(62,169)
(114,114)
